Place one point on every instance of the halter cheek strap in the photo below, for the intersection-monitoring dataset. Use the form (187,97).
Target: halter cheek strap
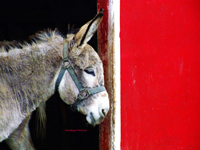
(84,92)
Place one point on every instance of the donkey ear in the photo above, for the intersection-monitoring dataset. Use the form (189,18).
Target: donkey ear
(87,31)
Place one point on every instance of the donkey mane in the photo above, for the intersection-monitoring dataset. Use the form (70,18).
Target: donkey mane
(7,45)
(41,36)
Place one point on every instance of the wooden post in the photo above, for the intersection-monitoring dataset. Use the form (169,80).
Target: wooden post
(109,52)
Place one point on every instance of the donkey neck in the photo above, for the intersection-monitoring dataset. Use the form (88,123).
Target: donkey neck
(29,74)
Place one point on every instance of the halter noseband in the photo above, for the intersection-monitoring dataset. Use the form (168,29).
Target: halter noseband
(84,92)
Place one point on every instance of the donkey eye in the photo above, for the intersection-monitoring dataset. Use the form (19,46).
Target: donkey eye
(90,71)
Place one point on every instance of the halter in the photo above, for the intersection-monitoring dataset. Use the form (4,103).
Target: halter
(84,92)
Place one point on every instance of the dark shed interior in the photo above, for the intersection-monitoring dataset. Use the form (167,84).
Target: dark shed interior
(21,19)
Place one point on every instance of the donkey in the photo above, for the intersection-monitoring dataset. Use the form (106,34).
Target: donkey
(31,74)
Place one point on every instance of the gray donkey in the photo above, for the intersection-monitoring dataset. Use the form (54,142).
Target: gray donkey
(30,75)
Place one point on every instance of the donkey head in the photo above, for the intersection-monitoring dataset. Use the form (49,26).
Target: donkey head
(88,69)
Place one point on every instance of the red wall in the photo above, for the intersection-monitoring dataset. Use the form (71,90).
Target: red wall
(160,74)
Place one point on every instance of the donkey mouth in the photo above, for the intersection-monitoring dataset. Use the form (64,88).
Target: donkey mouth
(92,120)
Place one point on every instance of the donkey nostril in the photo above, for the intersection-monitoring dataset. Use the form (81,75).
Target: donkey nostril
(104,112)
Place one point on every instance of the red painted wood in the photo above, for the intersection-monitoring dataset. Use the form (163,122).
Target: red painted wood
(104,129)
(160,74)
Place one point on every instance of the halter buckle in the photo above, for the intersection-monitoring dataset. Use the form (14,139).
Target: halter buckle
(66,63)
(83,94)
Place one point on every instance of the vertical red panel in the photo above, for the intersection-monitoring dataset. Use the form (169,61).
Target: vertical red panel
(104,53)
(160,74)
